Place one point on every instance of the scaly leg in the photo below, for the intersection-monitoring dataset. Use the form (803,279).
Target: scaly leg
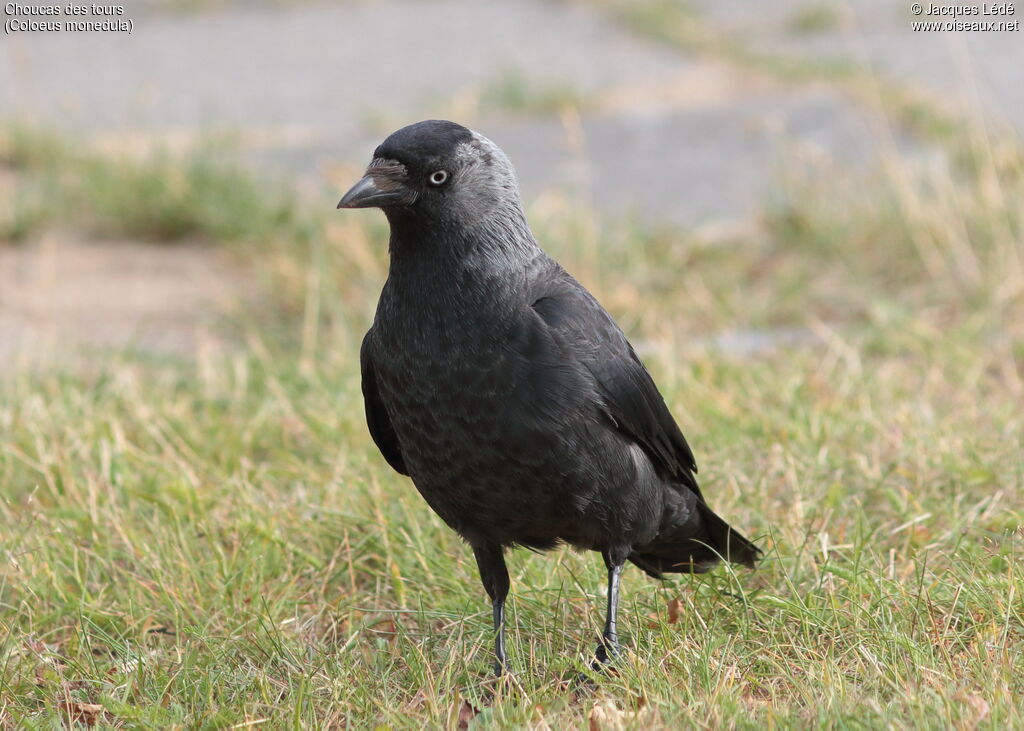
(494,575)
(608,650)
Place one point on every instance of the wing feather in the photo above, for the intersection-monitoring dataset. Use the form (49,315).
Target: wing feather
(630,397)
(377,418)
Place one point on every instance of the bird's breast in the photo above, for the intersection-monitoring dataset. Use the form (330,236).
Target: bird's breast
(455,386)
(495,429)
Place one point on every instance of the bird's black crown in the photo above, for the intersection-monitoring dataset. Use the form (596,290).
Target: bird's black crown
(418,143)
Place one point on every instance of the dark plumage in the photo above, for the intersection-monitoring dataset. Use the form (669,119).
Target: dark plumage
(511,398)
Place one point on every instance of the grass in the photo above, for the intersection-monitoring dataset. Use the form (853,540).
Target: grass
(213,545)
(216,543)
(815,18)
(513,92)
(203,6)
(155,197)
(904,106)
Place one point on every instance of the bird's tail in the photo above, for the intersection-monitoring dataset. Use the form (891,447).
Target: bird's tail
(694,549)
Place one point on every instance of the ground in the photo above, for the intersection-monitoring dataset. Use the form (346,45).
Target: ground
(806,221)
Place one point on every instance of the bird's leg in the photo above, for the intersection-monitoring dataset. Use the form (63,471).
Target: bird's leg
(608,650)
(494,575)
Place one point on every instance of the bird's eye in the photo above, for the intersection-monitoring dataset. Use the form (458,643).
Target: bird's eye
(438,177)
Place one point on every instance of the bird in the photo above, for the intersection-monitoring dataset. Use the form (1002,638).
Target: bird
(507,393)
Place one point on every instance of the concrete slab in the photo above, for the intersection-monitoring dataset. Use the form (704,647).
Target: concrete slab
(974,70)
(675,138)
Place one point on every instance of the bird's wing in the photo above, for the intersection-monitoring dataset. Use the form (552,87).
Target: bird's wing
(377,419)
(631,400)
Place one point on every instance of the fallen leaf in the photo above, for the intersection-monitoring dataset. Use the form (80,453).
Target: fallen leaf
(467,712)
(36,646)
(675,606)
(606,716)
(416,703)
(78,712)
(980,707)
(385,628)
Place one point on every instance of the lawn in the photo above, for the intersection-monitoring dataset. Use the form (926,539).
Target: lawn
(215,542)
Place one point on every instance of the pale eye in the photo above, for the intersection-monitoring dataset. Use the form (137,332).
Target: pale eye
(438,177)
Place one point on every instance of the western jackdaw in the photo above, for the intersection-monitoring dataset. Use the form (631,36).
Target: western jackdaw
(511,398)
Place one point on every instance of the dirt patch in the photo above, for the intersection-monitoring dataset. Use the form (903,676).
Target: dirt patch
(63,291)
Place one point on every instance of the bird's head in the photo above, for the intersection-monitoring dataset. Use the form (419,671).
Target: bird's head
(437,171)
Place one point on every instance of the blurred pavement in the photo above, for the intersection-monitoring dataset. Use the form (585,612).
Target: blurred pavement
(311,88)
(678,138)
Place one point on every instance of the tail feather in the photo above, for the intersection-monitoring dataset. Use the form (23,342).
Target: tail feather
(695,549)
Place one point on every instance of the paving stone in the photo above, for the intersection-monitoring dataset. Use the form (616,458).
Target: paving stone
(674,138)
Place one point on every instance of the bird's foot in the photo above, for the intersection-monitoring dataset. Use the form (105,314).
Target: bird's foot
(582,684)
(500,683)
(606,655)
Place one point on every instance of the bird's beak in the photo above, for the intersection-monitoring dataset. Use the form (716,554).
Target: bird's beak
(377,191)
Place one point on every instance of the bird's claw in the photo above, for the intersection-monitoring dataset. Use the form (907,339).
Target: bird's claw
(606,655)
